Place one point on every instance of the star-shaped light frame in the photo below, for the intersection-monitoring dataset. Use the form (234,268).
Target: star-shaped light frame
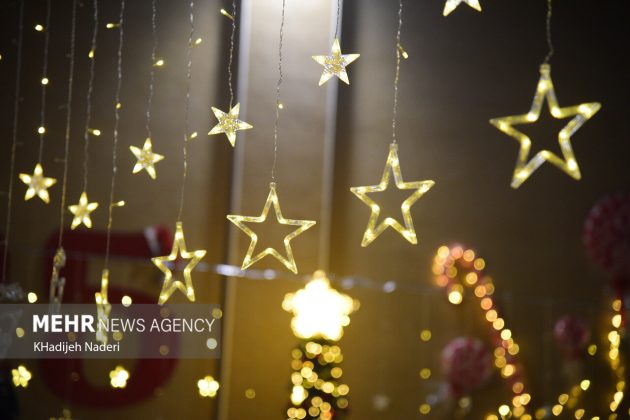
(451,5)
(373,229)
(146,158)
(37,184)
(229,123)
(178,251)
(250,258)
(335,63)
(81,212)
(580,113)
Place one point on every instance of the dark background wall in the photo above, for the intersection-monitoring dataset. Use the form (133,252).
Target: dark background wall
(462,71)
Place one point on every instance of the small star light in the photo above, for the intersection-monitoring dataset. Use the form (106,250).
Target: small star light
(272,198)
(38,184)
(373,230)
(451,5)
(103,308)
(208,387)
(146,158)
(82,212)
(21,376)
(118,377)
(580,113)
(170,285)
(335,63)
(319,311)
(229,123)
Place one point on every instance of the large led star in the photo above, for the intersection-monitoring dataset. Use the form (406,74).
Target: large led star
(82,212)
(580,113)
(373,229)
(250,258)
(335,63)
(229,123)
(38,184)
(450,5)
(319,310)
(178,251)
(146,158)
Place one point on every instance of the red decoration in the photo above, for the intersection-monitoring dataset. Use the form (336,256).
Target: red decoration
(572,335)
(607,235)
(467,365)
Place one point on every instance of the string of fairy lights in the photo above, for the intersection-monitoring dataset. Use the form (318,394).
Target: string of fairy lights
(455,268)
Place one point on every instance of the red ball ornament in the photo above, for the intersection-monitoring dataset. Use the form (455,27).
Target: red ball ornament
(467,365)
(607,235)
(572,335)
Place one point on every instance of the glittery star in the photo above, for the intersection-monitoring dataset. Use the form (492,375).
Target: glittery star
(450,5)
(335,63)
(229,123)
(146,158)
(580,113)
(373,230)
(178,251)
(239,221)
(82,212)
(38,184)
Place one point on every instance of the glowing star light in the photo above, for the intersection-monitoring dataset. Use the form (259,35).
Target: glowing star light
(179,249)
(208,387)
(450,5)
(373,230)
(272,198)
(580,113)
(38,184)
(146,158)
(82,212)
(229,123)
(319,310)
(335,64)
(21,376)
(118,377)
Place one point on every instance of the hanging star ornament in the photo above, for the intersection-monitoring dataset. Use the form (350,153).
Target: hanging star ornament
(373,229)
(580,113)
(178,252)
(250,258)
(146,158)
(38,184)
(335,63)
(229,123)
(82,212)
(451,5)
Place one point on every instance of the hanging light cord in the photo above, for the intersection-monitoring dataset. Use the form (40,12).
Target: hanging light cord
(187,109)
(88,112)
(152,72)
(397,75)
(275,126)
(232,53)
(338,19)
(548,30)
(116,124)
(44,76)
(16,109)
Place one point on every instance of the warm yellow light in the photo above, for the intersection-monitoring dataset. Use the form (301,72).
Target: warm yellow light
(298,394)
(45,81)
(585,384)
(425,409)
(95,131)
(208,387)
(81,212)
(226,14)
(425,335)
(425,373)
(32,297)
(21,376)
(118,377)
(455,297)
(39,28)
(126,301)
(567,163)
(319,310)
(198,41)
(504,410)
(159,63)
(41,130)
(335,63)
(146,159)
(450,5)
(229,123)
(37,184)
(112,25)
